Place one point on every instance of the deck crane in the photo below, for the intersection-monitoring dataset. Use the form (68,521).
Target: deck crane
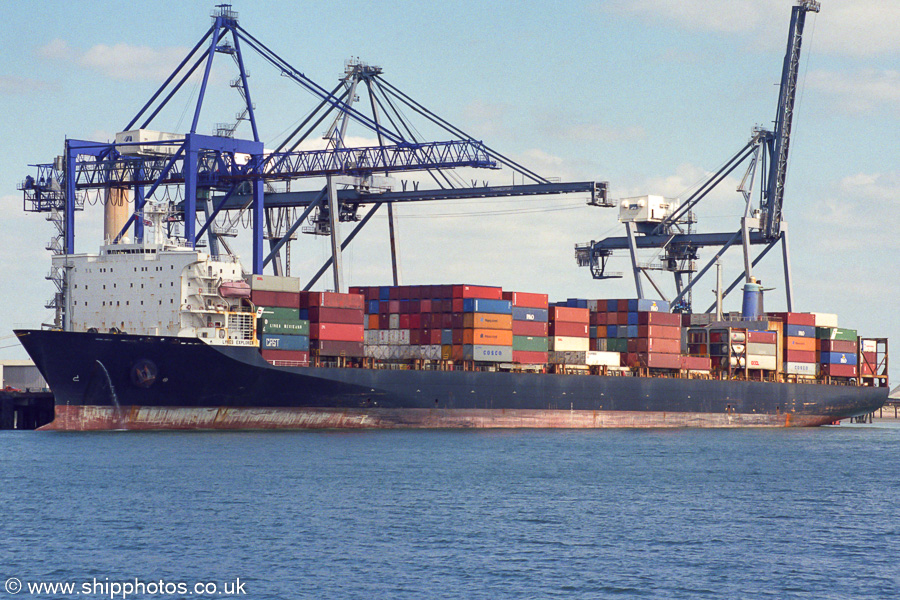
(655,222)
(241,175)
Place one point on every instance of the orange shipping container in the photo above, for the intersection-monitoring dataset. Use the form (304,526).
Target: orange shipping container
(373,321)
(486,321)
(570,315)
(800,343)
(489,337)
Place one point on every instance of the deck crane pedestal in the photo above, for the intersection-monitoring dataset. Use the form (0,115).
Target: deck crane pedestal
(671,232)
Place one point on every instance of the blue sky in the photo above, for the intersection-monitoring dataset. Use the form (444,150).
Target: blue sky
(650,95)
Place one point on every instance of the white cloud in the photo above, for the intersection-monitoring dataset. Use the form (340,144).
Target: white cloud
(844,27)
(860,91)
(119,61)
(16,86)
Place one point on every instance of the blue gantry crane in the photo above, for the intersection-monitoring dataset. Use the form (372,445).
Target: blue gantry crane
(671,229)
(216,174)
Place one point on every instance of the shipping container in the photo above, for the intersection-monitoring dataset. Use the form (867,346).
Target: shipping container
(570,315)
(696,363)
(530,314)
(800,356)
(487,337)
(659,318)
(800,343)
(825,319)
(760,349)
(807,331)
(534,328)
(838,346)
(762,337)
(523,357)
(658,331)
(839,370)
(487,353)
(663,345)
(280,327)
(275,299)
(655,360)
(279,313)
(794,318)
(617,345)
(569,344)
(338,332)
(353,316)
(831,333)
(566,329)
(598,318)
(486,321)
(284,342)
(838,358)
(271,283)
(301,358)
(527,343)
(479,305)
(331,300)
(796,368)
(764,363)
(476,292)
(527,300)
(336,348)
(645,305)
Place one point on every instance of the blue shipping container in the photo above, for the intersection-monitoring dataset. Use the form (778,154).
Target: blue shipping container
(612,305)
(446,336)
(632,318)
(611,331)
(538,315)
(631,332)
(837,358)
(480,305)
(645,305)
(373,307)
(284,342)
(576,303)
(304,314)
(384,292)
(800,331)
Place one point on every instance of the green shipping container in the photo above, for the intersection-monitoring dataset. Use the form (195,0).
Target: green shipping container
(527,343)
(617,344)
(279,327)
(836,333)
(280,314)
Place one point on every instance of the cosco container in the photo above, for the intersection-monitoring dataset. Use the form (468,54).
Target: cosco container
(796,368)
(487,353)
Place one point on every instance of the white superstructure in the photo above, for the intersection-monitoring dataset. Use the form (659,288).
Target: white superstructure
(158,287)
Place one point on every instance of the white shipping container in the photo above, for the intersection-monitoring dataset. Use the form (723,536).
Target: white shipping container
(384,336)
(404,337)
(762,349)
(432,352)
(394,337)
(569,344)
(797,368)
(394,321)
(372,336)
(381,352)
(603,359)
(826,319)
(869,346)
(757,361)
(271,283)
(394,352)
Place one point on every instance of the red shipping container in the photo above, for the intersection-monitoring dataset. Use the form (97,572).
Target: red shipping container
(331,300)
(658,360)
(336,332)
(384,321)
(664,345)
(527,300)
(404,321)
(659,318)
(532,328)
(434,337)
(415,292)
(456,305)
(373,293)
(437,306)
(458,337)
(621,318)
(524,357)
(275,299)
(622,306)
(844,346)
(394,307)
(446,321)
(457,320)
(696,363)
(425,305)
(405,307)
(762,337)
(566,329)
(599,318)
(336,348)
(427,320)
(415,321)
(415,337)
(839,370)
(570,315)
(659,331)
(384,307)
(394,292)
(335,315)
(795,318)
(293,356)
(801,356)
(477,291)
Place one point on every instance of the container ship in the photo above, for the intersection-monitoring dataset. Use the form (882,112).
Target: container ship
(158,331)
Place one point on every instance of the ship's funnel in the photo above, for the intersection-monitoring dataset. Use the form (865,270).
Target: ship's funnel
(753,300)
(116,213)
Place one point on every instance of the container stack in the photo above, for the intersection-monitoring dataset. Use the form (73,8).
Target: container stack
(569,333)
(762,350)
(656,342)
(486,333)
(838,351)
(530,327)
(283,334)
(336,327)
(798,343)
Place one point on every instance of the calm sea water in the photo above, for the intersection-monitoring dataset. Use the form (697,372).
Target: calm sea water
(458,514)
